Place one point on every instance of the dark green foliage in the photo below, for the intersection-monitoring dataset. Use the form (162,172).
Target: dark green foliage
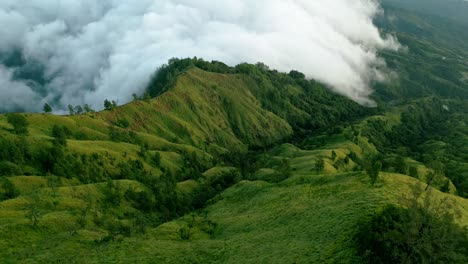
(296,74)
(47,108)
(436,169)
(209,187)
(160,197)
(123,135)
(109,105)
(445,187)
(156,159)
(400,165)
(8,168)
(373,167)
(112,194)
(7,189)
(184,233)
(397,235)
(319,165)
(285,168)
(60,134)
(143,151)
(413,172)
(19,122)
(34,209)
(87,108)
(123,123)
(78,110)
(71,110)
(13,153)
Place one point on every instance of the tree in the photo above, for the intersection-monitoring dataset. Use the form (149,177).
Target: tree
(53,182)
(285,168)
(60,135)
(373,169)
(78,109)
(319,165)
(87,108)
(436,169)
(400,165)
(19,122)
(108,105)
(47,108)
(157,159)
(296,74)
(8,189)
(71,110)
(417,232)
(33,209)
(413,172)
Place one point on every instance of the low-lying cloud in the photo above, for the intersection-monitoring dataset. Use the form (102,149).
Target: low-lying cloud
(75,52)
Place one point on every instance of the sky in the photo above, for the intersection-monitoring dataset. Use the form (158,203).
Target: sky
(82,52)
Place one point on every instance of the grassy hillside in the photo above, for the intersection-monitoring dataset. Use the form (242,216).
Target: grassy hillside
(310,217)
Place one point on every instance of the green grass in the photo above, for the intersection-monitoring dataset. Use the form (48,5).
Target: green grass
(308,218)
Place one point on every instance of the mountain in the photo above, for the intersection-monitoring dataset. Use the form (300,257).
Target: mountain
(448,9)
(244,164)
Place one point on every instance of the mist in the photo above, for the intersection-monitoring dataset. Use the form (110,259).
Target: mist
(75,52)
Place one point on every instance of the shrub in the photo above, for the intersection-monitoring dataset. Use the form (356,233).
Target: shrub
(19,122)
(184,233)
(8,190)
(9,169)
(47,108)
(420,233)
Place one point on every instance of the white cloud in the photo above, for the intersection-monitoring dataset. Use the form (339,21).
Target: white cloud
(93,50)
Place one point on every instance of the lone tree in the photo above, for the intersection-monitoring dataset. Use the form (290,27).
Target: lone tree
(436,169)
(400,165)
(319,165)
(7,189)
(47,108)
(108,105)
(19,122)
(373,169)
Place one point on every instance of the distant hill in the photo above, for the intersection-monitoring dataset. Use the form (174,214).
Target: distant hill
(450,9)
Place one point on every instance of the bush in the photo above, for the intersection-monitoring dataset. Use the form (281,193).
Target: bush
(184,233)
(416,234)
(8,190)
(60,134)
(19,122)
(9,169)
(123,123)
